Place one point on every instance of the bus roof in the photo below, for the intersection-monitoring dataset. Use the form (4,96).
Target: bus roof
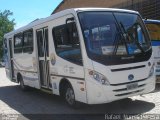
(62,13)
(103,9)
(151,21)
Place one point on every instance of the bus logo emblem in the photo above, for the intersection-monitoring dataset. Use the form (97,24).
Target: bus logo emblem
(131,77)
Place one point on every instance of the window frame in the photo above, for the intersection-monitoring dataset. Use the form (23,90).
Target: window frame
(22,42)
(105,60)
(28,46)
(68,36)
(21,47)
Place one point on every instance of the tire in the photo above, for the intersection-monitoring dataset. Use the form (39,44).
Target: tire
(22,86)
(69,97)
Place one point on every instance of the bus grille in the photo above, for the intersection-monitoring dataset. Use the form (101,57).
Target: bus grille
(133,92)
(125,89)
(128,92)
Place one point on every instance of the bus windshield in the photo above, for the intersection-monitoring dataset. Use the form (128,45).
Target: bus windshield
(154,30)
(114,36)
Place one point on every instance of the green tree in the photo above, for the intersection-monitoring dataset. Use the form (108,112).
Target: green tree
(6,25)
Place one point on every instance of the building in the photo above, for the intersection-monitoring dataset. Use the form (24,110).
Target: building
(147,8)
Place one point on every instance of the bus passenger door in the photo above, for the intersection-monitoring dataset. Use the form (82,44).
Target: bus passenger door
(43,56)
(11,60)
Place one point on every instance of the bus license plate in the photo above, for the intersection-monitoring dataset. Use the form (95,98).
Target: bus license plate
(132,86)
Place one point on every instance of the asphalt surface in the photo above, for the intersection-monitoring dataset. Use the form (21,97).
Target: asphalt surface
(14,102)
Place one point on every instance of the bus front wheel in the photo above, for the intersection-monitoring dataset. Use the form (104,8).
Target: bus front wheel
(70,96)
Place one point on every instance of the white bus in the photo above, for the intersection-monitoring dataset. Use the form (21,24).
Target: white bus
(86,55)
(154,30)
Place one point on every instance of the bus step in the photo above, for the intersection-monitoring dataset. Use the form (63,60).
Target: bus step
(14,80)
(47,90)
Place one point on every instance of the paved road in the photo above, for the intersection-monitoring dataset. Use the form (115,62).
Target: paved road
(15,101)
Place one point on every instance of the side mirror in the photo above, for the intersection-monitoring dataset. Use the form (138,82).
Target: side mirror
(69,19)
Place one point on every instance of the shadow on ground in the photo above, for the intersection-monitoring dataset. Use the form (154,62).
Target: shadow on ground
(157,89)
(37,102)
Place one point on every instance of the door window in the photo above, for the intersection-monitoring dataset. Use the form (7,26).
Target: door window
(40,43)
(46,41)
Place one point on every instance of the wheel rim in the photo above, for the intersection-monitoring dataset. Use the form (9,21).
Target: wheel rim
(70,96)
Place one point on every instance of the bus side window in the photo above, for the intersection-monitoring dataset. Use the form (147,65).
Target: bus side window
(67,43)
(18,40)
(28,41)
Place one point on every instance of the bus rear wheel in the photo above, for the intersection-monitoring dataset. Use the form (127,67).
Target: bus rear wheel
(22,86)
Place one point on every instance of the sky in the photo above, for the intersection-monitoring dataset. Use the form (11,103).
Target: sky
(25,11)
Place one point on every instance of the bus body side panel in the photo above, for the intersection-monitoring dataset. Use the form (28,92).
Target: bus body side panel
(31,77)
(61,69)
(24,64)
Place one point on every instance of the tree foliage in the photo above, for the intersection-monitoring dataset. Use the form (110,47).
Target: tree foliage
(6,25)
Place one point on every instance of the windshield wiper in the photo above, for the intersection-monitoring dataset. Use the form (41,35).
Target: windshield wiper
(135,40)
(122,34)
(137,43)
(116,42)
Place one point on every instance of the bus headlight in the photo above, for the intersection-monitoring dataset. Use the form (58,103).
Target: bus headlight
(151,71)
(99,77)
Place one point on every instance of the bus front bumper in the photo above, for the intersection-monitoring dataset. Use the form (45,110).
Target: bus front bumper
(99,94)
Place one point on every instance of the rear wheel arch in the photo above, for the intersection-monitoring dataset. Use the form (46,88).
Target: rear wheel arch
(19,77)
(21,81)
